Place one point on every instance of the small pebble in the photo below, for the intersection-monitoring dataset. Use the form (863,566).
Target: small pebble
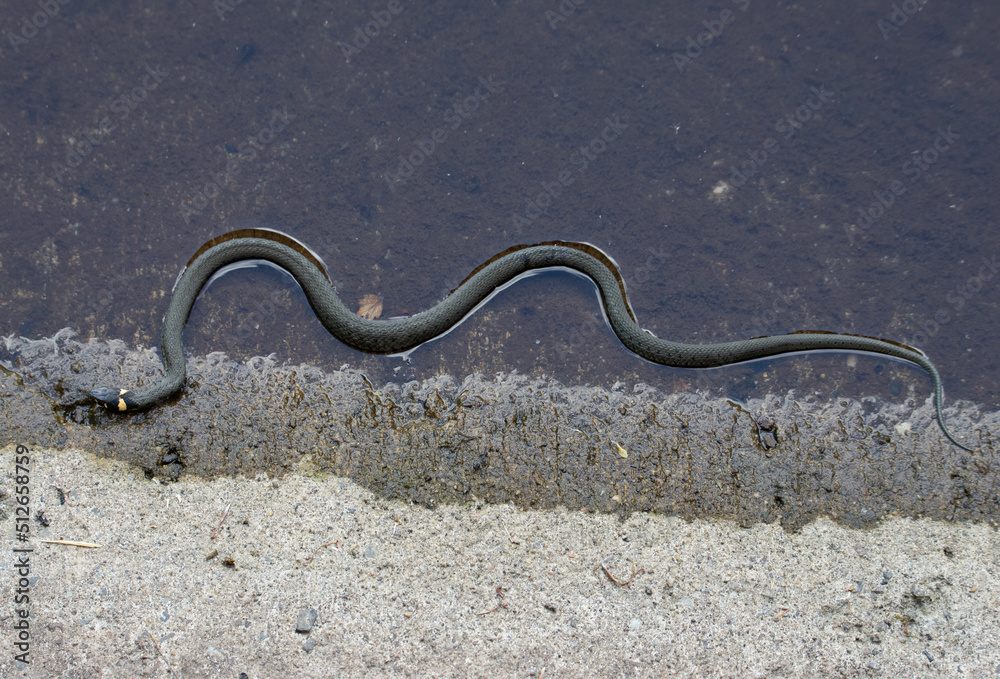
(304,623)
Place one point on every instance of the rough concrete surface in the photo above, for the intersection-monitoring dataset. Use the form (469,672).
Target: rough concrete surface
(217,578)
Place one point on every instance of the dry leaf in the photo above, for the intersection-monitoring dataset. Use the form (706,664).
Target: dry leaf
(370,307)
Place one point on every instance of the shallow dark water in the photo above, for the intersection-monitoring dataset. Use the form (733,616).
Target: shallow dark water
(808,168)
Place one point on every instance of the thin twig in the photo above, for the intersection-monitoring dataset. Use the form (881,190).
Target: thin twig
(331,542)
(215,531)
(504,526)
(500,602)
(170,670)
(73,543)
(622,583)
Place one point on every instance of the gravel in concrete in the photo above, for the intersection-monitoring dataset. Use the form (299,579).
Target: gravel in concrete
(473,590)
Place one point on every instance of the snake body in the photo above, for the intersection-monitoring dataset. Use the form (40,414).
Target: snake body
(399,335)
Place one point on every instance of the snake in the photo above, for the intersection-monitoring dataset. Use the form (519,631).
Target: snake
(402,334)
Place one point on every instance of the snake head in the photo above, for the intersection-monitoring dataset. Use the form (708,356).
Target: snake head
(118,400)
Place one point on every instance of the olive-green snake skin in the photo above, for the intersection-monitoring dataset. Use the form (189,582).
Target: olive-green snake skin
(398,335)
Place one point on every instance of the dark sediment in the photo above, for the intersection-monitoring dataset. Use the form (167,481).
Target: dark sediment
(531,442)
